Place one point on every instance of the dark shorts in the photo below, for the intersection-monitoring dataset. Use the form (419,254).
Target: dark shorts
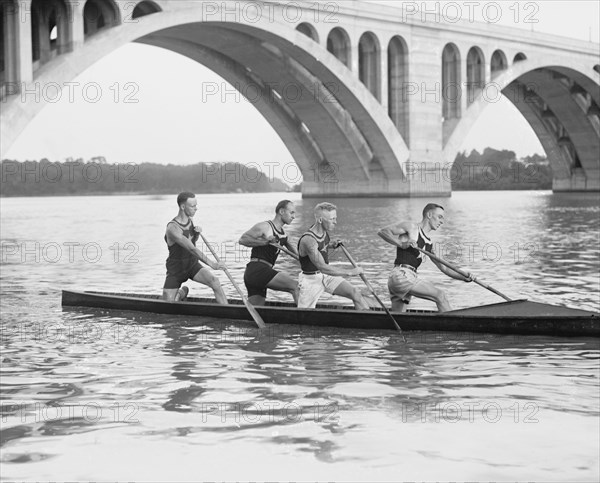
(256,278)
(179,272)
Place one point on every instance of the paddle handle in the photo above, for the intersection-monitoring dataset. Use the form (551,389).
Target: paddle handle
(463,273)
(285,250)
(364,279)
(253,312)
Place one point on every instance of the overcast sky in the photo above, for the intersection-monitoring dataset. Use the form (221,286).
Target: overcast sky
(154,106)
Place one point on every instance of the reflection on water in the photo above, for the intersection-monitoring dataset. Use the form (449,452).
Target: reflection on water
(92,394)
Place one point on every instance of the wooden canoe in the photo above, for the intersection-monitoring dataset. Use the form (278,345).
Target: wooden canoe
(515,317)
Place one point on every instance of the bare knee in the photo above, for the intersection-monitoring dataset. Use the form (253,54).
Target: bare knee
(358,299)
(285,284)
(440,296)
(355,294)
(213,282)
(441,301)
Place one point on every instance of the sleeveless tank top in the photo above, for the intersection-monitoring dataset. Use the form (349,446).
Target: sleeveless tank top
(268,252)
(411,256)
(176,251)
(323,241)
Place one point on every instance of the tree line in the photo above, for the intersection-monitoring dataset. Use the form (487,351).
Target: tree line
(490,170)
(96,176)
(500,170)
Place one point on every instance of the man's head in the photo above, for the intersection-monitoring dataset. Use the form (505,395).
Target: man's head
(433,214)
(286,210)
(326,215)
(187,203)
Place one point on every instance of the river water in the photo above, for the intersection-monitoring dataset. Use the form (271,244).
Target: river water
(95,395)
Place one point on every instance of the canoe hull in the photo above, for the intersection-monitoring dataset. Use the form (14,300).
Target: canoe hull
(501,318)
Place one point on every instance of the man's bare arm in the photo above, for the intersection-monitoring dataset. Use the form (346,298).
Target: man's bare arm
(391,234)
(451,273)
(257,236)
(291,246)
(176,235)
(310,247)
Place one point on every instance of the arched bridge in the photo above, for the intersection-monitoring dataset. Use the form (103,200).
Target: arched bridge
(371,100)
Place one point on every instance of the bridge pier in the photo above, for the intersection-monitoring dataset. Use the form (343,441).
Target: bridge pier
(577,182)
(18,66)
(421,180)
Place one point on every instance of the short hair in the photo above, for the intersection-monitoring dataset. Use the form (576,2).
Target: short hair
(183,197)
(325,206)
(429,207)
(281,204)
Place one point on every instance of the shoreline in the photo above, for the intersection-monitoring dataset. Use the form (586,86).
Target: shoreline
(170,193)
(133,193)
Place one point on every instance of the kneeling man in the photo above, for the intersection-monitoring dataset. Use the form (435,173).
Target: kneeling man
(260,274)
(317,275)
(184,258)
(404,282)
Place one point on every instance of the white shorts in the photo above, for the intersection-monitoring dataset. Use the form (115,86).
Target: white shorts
(400,283)
(311,287)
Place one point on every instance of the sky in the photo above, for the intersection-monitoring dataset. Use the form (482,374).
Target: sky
(128,109)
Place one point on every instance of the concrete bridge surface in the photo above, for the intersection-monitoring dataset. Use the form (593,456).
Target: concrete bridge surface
(371,100)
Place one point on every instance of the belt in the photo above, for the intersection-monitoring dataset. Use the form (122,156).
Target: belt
(311,273)
(410,267)
(262,261)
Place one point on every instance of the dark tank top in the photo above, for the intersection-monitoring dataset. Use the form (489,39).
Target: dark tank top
(323,241)
(268,252)
(411,256)
(176,251)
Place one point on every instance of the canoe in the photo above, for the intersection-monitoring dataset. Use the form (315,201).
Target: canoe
(516,317)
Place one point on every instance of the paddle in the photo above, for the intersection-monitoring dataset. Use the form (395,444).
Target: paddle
(461,272)
(255,315)
(364,279)
(284,250)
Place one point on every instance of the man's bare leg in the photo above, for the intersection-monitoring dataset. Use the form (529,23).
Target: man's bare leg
(284,283)
(426,290)
(206,277)
(346,289)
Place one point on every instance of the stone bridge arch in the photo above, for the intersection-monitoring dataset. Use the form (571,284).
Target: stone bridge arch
(560,101)
(339,135)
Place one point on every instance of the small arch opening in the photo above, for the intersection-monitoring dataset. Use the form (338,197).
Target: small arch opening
(145,8)
(397,79)
(338,43)
(451,88)
(475,73)
(369,60)
(498,62)
(519,57)
(308,30)
(98,15)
